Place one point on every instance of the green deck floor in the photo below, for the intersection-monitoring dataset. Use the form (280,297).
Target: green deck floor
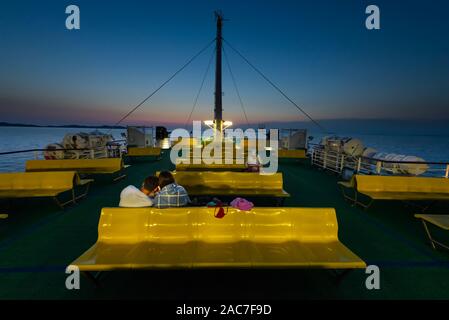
(38,240)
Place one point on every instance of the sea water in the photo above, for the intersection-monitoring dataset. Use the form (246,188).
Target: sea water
(433,148)
(27,138)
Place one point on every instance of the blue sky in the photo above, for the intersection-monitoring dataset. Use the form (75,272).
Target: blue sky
(318,52)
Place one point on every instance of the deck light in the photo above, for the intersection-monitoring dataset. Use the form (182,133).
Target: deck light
(227,124)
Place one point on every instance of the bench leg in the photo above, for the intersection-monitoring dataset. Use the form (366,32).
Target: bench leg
(367,205)
(62,204)
(93,278)
(355,200)
(352,199)
(420,207)
(432,240)
(58,203)
(340,275)
(86,191)
(73,195)
(121,175)
(431,204)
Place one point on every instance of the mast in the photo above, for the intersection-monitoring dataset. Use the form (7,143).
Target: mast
(218,111)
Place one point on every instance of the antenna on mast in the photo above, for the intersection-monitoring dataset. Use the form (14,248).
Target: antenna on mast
(218,125)
(218,111)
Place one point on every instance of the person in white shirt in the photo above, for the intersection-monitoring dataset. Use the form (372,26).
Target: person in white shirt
(252,162)
(131,197)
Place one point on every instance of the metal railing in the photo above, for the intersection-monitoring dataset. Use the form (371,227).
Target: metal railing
(338,162)
(110,151)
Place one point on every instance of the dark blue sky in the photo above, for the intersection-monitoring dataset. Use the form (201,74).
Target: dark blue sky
(319,52)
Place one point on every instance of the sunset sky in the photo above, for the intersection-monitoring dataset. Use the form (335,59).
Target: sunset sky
(318,52)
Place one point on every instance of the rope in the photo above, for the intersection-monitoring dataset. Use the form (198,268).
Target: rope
(164,83)
(235,86)
(276,87)
(201,88)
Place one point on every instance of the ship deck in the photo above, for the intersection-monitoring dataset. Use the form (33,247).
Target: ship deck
(39,240)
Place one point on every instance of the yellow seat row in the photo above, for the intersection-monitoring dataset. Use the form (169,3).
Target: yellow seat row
(41,184)
(82,166)
(210,167)
(144,152)
(195,143)
(223,156)
(397,188)
(439,220)
(231,184)
(292,154)
(191,237)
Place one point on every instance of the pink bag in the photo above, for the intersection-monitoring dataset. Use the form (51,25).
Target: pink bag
(242,204)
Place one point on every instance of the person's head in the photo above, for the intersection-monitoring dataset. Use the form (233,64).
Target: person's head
(150,185)
(165,178)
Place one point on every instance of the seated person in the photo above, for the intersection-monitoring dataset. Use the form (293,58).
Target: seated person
(171,194)
(252,162)
(131,197)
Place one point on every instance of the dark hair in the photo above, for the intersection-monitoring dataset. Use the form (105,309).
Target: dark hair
(165,178)
(150,183)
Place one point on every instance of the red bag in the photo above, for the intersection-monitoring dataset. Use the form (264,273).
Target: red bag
(221,212)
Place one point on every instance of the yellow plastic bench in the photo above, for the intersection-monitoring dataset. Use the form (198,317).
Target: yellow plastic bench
(439,220)
(244,184)
(225,155)
(82,166)
(191,237)
(292,154)
(144,152)
(210,167)
(42,184)
(396,188)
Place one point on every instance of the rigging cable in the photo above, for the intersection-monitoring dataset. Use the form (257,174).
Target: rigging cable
(276,87)
(201,88)
(164,83)
(235,86)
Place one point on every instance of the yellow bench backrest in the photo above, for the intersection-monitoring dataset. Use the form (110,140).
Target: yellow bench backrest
(144,151)
(195,142)
(233,150)
(93,165)
(190,142)
(373,183)
(295,154)
(205,167)
(227,179)
(38,180)
(181,225)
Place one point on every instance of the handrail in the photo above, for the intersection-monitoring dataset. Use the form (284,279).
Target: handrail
(42,150)
(37,150)
(398,161)
(336,161)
